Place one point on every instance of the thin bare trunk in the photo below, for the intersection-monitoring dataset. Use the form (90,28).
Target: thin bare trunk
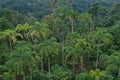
(90,26)
(24,34)
(81,59)
(49,67)
(42,68)
(119,74)
(97,61)
(13,76)
(94,22)
(73,65)
(63,62)
(24,76)
(71,3)
(72,21)
(54,5)
(30,74)
(97,57)
(10,44)
(72,25)
(23,72)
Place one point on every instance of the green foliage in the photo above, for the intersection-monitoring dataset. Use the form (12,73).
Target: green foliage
(67,44)
(7,76)
(59,73)
(97,74)
(5,24)
(83,76)
(39,75)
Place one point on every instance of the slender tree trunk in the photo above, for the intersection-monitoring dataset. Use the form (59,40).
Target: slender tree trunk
(19,77)
(24,35)
(62,34)
(73,65)
(34,44)
(10,44)
(72,21)
(72,25)
(42,68)
(54,5)
(81,60)
(97,60)
(13,76)
(90,26)
(71,3)
(97,57)
(63,61)
(23,72)
(119,73)
(24,76)
(94,22)
(30,74)
(49,67)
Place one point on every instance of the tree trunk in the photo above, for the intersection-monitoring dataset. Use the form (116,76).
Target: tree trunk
(81,60)
(94,22)
(73,64)
(19,77)
(24,76)
(49,66)
(24,35)
(71,4)
(90,26)
(23,72)
(13,76)
(72,21)
(97,61)
(119,74)
(10,44)
(42,68)
(54,5)
(63,62)
(30,74)
(72,25)
(97,58)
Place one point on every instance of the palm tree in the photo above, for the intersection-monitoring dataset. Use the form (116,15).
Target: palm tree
(62,27)
(19,59)
(86,21)
(83,47)
(96,10)
(97,74)
(40,49)
(42,31)
(114,60)
(32,34)
(10,35)
(50,48)
(23,29)
(70,51)
(99,39)
(72,15)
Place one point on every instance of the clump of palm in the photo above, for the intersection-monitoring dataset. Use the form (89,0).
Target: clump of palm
(97,74)
(10,35)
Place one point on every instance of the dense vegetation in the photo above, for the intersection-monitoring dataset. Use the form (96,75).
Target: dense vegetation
(59,40)
(40,8)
